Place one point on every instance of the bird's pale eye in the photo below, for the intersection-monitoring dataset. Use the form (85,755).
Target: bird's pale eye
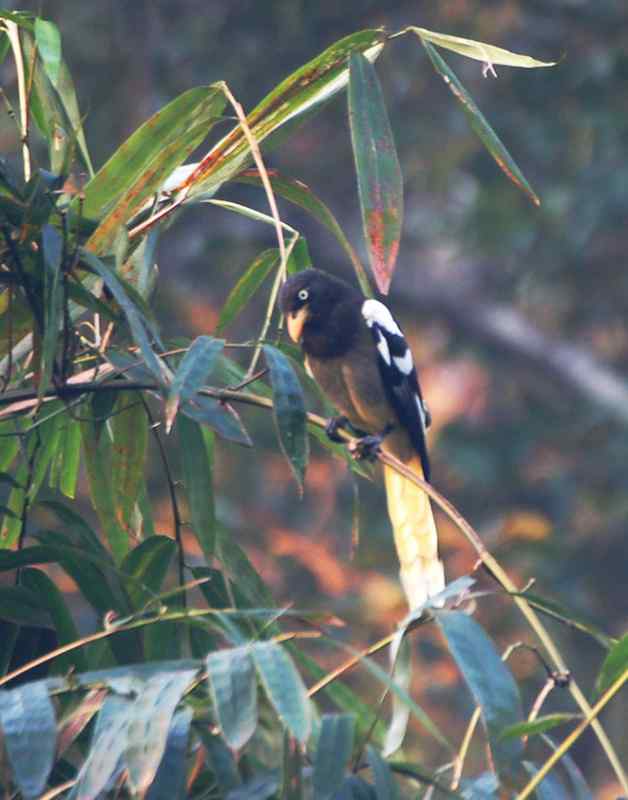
(303,294)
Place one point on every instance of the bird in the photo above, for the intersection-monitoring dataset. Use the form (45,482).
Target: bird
(356,352)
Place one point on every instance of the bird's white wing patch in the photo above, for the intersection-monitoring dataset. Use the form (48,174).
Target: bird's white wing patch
(375,312)
(404,363)
(382,346)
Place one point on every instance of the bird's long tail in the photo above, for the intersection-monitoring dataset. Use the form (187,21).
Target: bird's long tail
(416,539)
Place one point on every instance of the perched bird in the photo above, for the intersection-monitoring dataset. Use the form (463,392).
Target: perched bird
(359,357)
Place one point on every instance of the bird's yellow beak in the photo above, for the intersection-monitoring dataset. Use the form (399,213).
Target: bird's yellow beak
(295,321)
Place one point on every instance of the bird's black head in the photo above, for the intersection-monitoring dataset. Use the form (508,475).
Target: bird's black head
(322,312)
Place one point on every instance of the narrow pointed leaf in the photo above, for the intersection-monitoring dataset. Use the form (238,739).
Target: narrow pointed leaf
(614,664)
(246,288)
(233,687)
(107,746)
(567,617)
(149,723)
(237,564)
(137,323)
(479,124)
(537,726)
(335,745)
(490,681)
(301,195)
(65,467)
(401,664)
(380,185)
(148,564)
(292,770)
(301,92)
(550,788)
(197,455)
(52,247)
(219,416)
(480,51)
(192,373)
(579,789)
(49,45)
(169,783)
(67,95)
(385,787)
(288,412)
(284,687)
(140,166)
(129,427)
(42,586)
(27,716)
(222,761)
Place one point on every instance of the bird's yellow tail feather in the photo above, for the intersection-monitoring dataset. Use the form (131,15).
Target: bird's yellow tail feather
(416,539)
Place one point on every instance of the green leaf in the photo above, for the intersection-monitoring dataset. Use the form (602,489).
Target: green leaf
(52,249)
(222,761)
(401,665)
(218,415)
(42,586)
(106,748)
(385,786)
(288,412)
(23,607)
(147,564)
(197,456)
(192,373)
(97,451)
(567,617)
(489,680)
(480,51)
(237,564)
(27,716)
(550,788)
(538,725)
(578,787)
(137,322)
(233,687)
(335,745)
(354,788)
(169,783)
(246,288)
(149,721)
(301,195)
(140,166)
(292,770)
(301,92)
(615,663)
(49,45)
(380,185)
(129,427)
(67,95)
(284,688)
(479,124)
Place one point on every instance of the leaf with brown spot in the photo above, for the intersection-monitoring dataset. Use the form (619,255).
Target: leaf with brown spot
(380,185)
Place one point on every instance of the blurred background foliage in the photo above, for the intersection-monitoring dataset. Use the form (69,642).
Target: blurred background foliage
(517,315)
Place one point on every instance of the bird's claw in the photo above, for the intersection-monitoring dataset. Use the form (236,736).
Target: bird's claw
(334,424)
(367,448)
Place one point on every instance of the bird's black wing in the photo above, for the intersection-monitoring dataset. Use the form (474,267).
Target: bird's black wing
(399,377)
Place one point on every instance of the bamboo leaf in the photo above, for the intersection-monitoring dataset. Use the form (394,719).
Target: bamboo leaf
(48,41)
(149,721)
(27,716)
(385,787)
(479,124)
(147,565)
(480,51)
(137,322)
(23,607)
(614,664)
(401,665)
(42,586)
(220,416)
(380,185)
(140,166)
(539,725)
(52,250)
(192,373)
(288,412)
(129,428)
(284,687)
(169,783)
(197,455)
(335,745)
(246,288)
(302,92)
(233,689)
(489,680)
